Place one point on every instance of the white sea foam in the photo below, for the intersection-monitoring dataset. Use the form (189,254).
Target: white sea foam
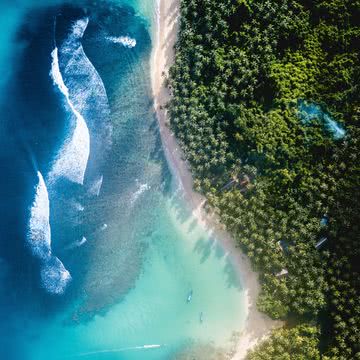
(89,94)
(142,188)
(72,159)
(155,346)
(78,206)
(85,94)
(79,27)
(77,243)
(54,276)
(95,188)
(123,40)
(39,233)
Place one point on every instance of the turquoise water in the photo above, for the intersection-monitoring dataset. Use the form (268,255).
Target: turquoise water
(311,111)
(101,257)
(156,312)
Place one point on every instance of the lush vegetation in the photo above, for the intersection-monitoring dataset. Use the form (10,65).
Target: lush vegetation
(298,343)
(280,184)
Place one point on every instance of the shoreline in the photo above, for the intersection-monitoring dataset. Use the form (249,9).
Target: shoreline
(257,325)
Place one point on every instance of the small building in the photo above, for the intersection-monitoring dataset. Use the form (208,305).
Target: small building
(321,242)
(283,245)
(282,273)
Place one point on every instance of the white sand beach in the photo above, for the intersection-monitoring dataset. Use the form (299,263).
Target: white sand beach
(258,325)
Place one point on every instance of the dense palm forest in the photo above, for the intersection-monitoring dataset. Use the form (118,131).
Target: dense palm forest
(266,108)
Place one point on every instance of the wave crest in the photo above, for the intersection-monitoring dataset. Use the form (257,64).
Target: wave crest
(72,159)
(77,79)
(54,276)
(39,232)
(124,40)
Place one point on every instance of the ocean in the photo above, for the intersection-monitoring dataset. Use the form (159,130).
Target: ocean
(100,255)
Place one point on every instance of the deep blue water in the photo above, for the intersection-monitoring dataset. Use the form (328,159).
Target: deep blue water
(92,222)
(37,122)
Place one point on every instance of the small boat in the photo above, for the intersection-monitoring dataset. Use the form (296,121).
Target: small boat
(189,297)
(201,318)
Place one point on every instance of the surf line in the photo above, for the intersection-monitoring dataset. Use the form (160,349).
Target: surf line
(53,274)
(80,136)
(143,347)
(87,101)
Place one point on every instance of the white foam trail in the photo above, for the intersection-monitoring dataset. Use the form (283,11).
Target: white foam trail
(79,27)
(76,244)
(54,276)
(72,159)
(124,40)
(78,206)
(107,351)
(39,232)
(137,193)
(151,346)
(95,188)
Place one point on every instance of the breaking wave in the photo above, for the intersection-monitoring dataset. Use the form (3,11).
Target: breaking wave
(124,40)
(72,159)
(85,94)
(54,276)
(39,233)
